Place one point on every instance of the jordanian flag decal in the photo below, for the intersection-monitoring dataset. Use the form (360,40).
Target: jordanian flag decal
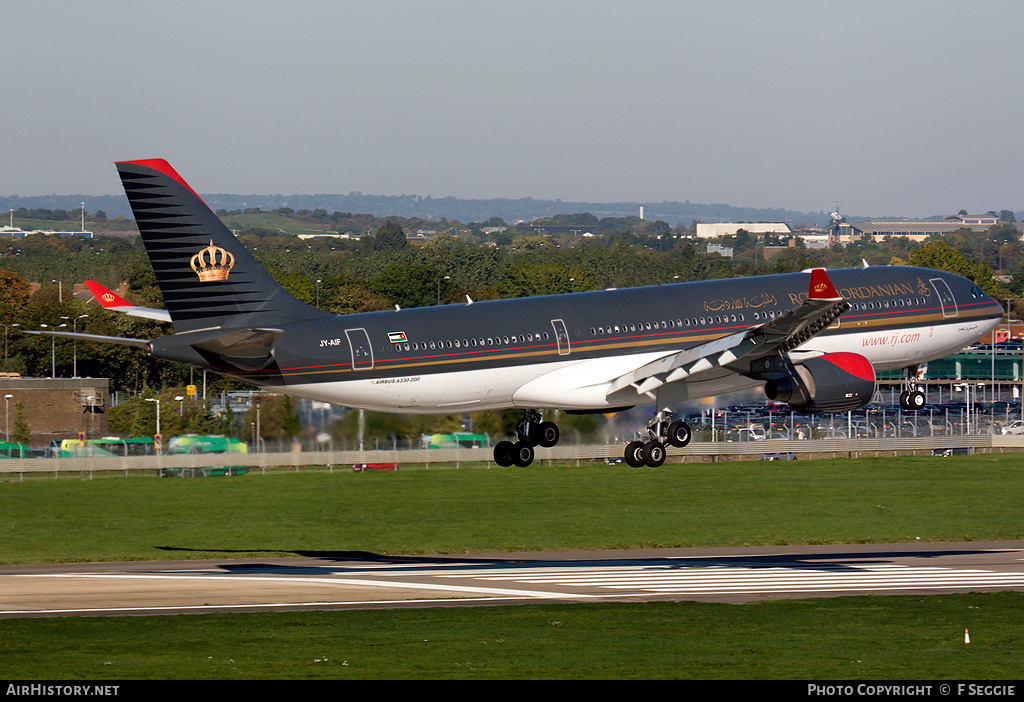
(397,337)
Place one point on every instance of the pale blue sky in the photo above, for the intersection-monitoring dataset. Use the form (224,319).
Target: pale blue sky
(892,108)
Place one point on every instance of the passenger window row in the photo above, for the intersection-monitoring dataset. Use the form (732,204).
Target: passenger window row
(477,342)
(886,304)
(679,323)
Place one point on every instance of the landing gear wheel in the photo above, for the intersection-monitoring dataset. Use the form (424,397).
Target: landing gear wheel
(547,434)
(503,453)
(678,434)
(532,431)
(522,454)
(654,453)
(912,400)
(634,454)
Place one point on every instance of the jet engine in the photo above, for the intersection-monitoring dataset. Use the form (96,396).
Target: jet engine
(835,382)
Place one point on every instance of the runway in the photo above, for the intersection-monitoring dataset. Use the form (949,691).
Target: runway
(360,581)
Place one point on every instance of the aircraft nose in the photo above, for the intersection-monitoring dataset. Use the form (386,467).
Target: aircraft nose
(990,304)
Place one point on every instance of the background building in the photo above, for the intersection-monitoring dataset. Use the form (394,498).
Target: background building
(712,230)
(916,230)
(57,408)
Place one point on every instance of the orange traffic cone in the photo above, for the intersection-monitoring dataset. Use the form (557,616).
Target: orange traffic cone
(967,636)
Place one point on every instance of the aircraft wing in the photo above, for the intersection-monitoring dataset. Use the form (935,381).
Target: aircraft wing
(114,302)
(736,352)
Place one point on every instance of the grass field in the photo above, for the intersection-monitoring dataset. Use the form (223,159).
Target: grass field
(908,638)
(867,500)
(539,508)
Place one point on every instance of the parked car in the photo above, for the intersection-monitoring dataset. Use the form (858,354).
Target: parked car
(1014,427)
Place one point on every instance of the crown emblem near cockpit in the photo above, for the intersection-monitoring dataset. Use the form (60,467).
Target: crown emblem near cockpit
(213,263)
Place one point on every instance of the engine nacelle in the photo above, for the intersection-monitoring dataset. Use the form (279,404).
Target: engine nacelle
(835,382)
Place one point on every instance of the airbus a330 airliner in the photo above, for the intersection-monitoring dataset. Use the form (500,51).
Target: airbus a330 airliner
(812,339)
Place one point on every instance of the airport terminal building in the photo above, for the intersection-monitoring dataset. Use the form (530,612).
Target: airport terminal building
(915,230)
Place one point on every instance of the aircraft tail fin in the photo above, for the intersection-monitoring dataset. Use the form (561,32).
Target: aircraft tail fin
(206,276)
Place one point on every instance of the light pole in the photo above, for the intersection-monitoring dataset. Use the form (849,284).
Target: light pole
(53,350)
(74,328)
(7,328)
(7,418)
(92,415)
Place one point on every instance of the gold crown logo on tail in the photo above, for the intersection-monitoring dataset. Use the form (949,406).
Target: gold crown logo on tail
(212,263)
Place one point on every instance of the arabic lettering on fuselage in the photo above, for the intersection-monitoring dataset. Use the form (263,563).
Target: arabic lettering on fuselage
(739,303)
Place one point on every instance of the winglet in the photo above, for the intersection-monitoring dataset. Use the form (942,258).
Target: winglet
(108,298)
(821,286)
(115,303)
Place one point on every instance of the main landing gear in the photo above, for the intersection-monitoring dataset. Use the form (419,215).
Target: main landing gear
(912,398)
(662,430)
(531,432)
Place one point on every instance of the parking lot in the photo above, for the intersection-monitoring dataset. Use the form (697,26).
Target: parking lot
(758,422)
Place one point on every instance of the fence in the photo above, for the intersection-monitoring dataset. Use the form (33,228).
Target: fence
(344,460)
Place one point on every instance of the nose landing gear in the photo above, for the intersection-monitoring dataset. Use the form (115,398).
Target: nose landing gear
(912,398)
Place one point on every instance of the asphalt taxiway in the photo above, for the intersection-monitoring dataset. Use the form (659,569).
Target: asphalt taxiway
(363,580)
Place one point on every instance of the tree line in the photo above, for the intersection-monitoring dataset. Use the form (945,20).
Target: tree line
(383,269)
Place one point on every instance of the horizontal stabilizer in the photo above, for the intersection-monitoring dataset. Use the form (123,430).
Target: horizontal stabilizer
(141,343)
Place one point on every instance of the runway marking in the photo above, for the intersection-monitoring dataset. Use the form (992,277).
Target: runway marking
(354,582)
(720,579)
(256,605)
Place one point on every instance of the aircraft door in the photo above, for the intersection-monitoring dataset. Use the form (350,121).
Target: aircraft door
(946,298)
(561,336)
(359,345)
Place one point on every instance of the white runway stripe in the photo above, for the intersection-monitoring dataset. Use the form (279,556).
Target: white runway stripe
(725,579)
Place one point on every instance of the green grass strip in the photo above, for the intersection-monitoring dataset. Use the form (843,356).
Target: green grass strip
(869,500)
(847,638)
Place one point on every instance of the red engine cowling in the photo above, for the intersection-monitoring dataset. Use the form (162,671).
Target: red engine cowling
(835,382)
